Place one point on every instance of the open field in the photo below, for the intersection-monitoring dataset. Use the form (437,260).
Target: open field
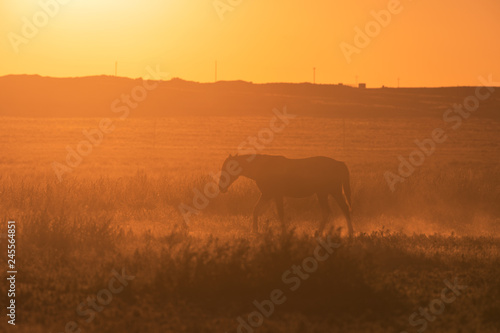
(456,189)
(119,208)
(229,166)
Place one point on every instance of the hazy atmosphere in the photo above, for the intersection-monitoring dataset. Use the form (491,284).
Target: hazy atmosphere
(238,166)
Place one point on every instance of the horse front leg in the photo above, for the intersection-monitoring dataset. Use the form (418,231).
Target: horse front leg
(281,211)
(259,207)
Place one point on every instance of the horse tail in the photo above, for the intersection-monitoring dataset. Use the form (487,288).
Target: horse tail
(346,187)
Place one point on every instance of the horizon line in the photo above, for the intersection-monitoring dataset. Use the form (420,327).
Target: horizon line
(339,84)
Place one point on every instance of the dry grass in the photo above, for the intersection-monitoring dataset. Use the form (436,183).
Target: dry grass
(119,209)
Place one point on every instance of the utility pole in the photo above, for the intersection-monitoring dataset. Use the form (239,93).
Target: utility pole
(154,136)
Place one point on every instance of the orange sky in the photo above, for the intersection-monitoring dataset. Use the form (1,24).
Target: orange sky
(428,43)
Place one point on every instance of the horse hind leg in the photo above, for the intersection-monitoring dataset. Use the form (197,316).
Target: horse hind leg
(325,212)
(342,202)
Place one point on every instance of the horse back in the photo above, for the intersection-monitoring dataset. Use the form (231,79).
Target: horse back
(301,177)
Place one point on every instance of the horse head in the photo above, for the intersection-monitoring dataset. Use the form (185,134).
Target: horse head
(231,170)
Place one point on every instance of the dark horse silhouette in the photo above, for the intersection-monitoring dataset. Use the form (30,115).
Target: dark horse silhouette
(278,177)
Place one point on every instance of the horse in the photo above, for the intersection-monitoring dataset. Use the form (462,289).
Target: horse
(278,177)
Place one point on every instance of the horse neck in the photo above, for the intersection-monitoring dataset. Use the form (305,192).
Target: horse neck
(250,169)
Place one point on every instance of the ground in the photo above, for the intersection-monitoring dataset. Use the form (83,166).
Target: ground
(118,209)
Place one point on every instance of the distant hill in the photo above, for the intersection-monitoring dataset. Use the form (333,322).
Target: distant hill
(36,96)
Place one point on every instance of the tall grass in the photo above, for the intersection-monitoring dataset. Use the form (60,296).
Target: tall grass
(454,197)
(73,234)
